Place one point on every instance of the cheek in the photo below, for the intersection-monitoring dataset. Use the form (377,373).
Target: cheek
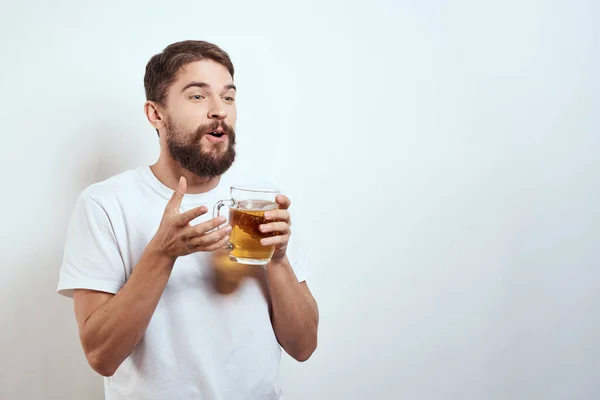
(189,118)
(232,116)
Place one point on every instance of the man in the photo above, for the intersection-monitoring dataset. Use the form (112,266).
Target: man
(139,259)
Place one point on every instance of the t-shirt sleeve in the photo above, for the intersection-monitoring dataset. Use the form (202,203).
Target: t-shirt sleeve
(92,259)
(298,260)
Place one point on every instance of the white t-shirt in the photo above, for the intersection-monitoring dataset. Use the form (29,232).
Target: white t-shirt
(200,343)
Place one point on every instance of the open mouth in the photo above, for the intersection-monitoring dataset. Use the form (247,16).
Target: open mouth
(216,134)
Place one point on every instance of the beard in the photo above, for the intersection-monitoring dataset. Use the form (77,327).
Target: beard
(187,150)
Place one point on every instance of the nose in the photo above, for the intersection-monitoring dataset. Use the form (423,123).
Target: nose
(217,111)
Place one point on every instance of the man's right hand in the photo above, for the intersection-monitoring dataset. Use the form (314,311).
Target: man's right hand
(176,237)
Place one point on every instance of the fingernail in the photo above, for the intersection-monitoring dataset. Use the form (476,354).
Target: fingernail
(228,229)
(262,228)
(268,215)
(264,242)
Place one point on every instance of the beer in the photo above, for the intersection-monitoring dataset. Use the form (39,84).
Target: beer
(245,220)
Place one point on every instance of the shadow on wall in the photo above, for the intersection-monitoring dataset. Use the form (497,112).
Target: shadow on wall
(41,348)
(42,355)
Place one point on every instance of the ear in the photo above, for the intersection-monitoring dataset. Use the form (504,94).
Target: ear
(154,114)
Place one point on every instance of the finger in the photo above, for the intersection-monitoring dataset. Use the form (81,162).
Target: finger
(190,215)
(208,226)
(175,201)
(210,238)
(277,215)
(217,245)
(283,201)
(281,227)
(278,241)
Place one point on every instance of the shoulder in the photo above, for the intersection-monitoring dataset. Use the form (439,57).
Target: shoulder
(113,188)
(115,185)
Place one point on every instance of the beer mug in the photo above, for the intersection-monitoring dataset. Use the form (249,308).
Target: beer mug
(247,208)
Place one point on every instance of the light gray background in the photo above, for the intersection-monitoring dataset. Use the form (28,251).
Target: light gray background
(441,156)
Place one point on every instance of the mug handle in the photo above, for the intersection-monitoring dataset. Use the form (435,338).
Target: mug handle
(220,204)
(217,211)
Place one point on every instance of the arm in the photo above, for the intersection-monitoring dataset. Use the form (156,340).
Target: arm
(295,314)
(110,326)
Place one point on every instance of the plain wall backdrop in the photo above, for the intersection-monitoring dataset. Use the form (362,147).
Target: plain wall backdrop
(441,157)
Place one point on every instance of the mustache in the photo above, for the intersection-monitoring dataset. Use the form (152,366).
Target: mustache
(207,128)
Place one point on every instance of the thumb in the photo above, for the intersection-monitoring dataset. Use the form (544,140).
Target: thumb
(175,201)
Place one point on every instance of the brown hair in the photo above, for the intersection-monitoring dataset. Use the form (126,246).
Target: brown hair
(162,68)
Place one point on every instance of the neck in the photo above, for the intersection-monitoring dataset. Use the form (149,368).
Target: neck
(168,172)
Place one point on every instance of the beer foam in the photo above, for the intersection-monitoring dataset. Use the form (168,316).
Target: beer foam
(256,205)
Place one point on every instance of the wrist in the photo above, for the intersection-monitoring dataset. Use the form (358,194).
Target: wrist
(279,261)
(158,255)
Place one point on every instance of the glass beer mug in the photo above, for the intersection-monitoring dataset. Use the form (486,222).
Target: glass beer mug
(247,208)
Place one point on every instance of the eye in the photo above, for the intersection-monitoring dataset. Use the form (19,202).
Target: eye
(197,97)
(229,99)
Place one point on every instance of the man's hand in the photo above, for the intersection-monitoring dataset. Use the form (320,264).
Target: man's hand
(281,225)
(175,236)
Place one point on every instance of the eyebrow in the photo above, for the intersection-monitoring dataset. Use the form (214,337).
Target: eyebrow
(202,85)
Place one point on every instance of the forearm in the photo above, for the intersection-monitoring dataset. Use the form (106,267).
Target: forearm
(112,331)
(295,314)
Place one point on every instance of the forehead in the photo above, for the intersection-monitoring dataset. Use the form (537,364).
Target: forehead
(208,71)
